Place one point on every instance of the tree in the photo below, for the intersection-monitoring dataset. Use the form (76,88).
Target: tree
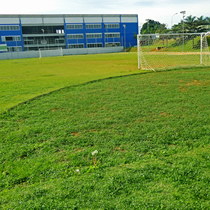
(152,27)
(162,28)
(201,20)
(207,20)
(207,23)
(200,23)
(190,24)
(177,28)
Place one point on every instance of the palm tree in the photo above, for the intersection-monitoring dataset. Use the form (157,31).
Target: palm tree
(200,22)
(190,22)
(201,19)
(207,22)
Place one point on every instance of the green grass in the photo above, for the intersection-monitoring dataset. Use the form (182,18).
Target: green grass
(167,60)
(173,56)
(152,133)
(191,45)
(23,79)
(174,45)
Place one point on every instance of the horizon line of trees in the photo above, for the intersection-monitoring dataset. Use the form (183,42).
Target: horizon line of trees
(192,24)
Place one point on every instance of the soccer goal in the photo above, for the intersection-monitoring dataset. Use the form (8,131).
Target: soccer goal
(50,52)
(157,51)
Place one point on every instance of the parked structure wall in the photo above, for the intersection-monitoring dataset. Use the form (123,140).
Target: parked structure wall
(34,32)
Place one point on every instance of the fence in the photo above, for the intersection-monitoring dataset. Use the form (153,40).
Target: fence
(57,52)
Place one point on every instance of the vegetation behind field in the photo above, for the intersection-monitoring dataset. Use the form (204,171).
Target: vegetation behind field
(174,44)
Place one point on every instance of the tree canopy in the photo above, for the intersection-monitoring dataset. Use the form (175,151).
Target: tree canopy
(152,27)
(192,24)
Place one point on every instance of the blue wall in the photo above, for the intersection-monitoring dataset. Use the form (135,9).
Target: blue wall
(128,33)
(12,33)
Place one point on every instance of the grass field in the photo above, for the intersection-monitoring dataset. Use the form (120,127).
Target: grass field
(24,79)
(151,131)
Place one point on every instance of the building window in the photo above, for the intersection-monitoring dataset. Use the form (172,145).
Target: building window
(10,38)
(75,36)
(112,44)
(93,26)
(59,31)
(73,46)
(94,36)
(112,35)
(14,49)
(92,45)
(74,26)
(111,25)
(28,41)
(9,28)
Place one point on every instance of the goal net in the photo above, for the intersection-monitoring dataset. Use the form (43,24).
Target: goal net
(50,52)
(157,51)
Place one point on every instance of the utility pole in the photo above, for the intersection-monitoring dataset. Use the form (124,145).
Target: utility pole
(148,31)
(124,37)
(183,13)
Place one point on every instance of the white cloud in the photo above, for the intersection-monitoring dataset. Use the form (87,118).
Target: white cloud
(159,10)
(28,7)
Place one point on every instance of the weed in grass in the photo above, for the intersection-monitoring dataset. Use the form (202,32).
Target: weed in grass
(94,154)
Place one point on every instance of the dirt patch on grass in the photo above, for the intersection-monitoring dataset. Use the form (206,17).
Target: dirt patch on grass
(195,82)
(75,134)
(173,53)
(182,89)
(165,114)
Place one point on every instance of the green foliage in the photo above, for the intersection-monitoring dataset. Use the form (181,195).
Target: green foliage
(152,27)
(192,24)
(208,40)
(150,131)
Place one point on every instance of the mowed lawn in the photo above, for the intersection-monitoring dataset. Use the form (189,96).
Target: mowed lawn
(23,79)
(151,134)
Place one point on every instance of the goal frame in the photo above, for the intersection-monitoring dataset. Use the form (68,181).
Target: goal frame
(140,52)
(201,52)
(51,52)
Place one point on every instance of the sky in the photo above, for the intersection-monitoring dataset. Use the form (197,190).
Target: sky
(163,11)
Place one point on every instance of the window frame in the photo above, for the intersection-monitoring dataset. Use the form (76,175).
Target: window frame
(108,44)
(94,35)
(9,28)
(112,33)
(74,36)
(79,44)
(14,38)
(111,25)
(94,45)
(14,49)
(93,26)
(74,26)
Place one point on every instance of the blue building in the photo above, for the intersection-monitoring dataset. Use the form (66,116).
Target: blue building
(33,32)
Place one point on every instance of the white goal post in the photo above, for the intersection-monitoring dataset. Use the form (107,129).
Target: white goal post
(50,52)
(204,48)
(157,51)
